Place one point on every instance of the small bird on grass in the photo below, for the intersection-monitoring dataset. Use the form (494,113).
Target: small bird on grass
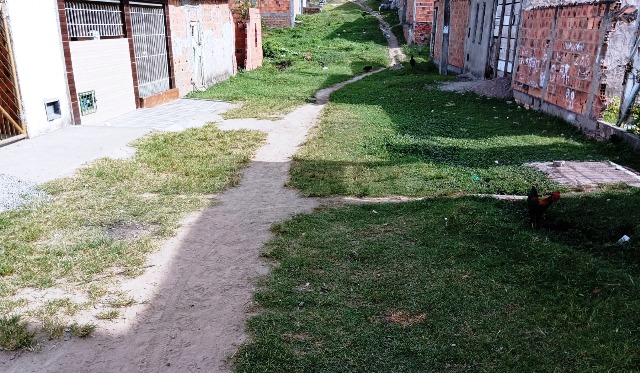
(367,69)
(538,206)
(412,62)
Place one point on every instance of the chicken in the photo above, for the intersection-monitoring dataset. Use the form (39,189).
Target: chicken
(538,206)
(412,62)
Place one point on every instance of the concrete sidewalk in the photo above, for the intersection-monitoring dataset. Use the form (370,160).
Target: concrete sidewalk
(62,152)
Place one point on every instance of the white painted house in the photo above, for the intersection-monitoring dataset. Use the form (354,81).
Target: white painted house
(39,65)
(66,62)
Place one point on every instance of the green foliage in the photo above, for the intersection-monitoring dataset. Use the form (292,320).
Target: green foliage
(53,327)
(14,333)
(108,315)
(114,212)
(82,330)
(479,290)
(611,113)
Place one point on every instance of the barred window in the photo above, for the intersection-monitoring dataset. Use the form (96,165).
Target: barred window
(93,20)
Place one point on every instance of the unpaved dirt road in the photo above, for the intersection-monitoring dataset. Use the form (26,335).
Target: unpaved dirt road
(199,287)
(197,292)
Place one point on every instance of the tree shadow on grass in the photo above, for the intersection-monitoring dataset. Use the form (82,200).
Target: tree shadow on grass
(423,116)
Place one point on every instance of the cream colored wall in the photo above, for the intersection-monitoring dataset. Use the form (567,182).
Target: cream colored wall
(104,66)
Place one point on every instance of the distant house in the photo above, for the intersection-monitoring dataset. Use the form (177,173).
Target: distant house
(280,13)
(90,61)
(416,17)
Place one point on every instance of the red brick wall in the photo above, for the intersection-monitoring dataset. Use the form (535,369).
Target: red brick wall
(424,11)
(254,40)
(567,73)
(458,31)
(535,31)
(422,33)
(277,21)
(421,23)
(276,13)
(213,16)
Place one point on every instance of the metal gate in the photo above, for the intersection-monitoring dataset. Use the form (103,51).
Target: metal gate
(11,126)
(505,33)
(150,49)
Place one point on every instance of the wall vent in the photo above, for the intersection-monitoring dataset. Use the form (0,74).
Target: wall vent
(52,109)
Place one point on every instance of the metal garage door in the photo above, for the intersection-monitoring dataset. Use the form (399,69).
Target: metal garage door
(150,49)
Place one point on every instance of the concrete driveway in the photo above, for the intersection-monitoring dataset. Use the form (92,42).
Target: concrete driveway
(62,152)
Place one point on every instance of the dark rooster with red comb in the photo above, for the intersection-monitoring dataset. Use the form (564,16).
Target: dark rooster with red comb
(538,206)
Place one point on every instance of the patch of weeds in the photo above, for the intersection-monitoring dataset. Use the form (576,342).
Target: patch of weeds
(65,305)
(53,326)
(108,315)
(121,300)
(14,333)
(8,306)
(325,49)
(612,111)
(97,291)
(82,330)
(66,239)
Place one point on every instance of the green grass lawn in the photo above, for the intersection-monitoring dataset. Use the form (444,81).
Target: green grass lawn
(107,218)
(452,285)
(395,133)
(325,49)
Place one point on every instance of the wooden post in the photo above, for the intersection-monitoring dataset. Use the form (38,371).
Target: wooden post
(14,75)
(444,51)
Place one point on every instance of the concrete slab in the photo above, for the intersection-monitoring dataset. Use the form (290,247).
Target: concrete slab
(60,153)
(173,116)
(586,175)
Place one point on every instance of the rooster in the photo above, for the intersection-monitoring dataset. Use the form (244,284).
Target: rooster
(538,206)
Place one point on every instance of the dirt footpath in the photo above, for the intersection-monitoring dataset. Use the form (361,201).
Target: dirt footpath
(196,295)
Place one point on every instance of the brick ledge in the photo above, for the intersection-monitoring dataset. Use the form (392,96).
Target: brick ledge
(159,99)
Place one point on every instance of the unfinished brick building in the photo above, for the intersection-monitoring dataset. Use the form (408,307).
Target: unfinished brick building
(478,35)
(416,17)
(210,41)
(562,59)
(451,17)
(280,13)
(569,58)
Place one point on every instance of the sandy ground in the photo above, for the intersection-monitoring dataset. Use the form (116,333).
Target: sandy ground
(195,297)
(199,288)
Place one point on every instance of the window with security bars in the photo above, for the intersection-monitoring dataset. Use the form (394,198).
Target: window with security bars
(93,20)
(88,102)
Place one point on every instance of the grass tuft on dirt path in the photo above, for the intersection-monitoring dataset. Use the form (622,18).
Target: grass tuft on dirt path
(101,223)
(455,285)
(14,333)
(396,134)
(325,49)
